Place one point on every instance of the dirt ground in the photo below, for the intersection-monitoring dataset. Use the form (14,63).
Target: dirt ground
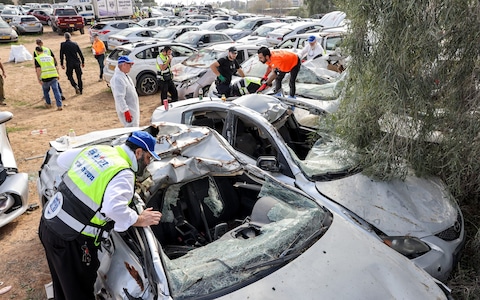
(22,260)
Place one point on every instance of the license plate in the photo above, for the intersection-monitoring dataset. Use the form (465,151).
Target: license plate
(72,25)
(4,37)
(111,67)
(31,24)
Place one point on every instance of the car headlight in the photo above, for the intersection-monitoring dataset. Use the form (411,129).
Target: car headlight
(411,247)
(6,202)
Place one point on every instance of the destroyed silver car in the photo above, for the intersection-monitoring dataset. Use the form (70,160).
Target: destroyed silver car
(230,231)
(417,217)
(13,185)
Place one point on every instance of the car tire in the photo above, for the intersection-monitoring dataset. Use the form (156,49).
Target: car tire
(147,84)
(82,30)
(49,23)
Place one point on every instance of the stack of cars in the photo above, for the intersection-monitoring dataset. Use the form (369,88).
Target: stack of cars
(231,231)
(417,217)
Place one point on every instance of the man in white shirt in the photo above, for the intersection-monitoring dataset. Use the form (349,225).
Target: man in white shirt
(125,94)
(92,199)
(312,50)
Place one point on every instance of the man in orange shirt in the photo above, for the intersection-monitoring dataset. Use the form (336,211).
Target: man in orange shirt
(281,62)
(98,49)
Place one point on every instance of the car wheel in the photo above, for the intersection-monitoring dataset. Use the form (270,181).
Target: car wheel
(54,29)
(49,22)
(147,85)
(82,30)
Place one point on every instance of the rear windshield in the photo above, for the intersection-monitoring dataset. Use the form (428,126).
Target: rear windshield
(66,12)
(115,54)
(29,19)
(99,26)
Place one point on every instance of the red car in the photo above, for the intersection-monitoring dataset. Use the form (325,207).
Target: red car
(42,15)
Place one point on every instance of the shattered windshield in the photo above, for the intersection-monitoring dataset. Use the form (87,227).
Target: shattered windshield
(279,227)
(329,157)
(204,58)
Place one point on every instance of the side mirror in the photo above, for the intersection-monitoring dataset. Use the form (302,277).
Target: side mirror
(268,163)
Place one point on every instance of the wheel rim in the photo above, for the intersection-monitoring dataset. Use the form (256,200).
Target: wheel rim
(148,85)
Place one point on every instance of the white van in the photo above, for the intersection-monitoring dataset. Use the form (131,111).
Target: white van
(85,10)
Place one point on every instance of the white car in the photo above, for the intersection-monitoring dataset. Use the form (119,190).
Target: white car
(259,35)
(26,24)
(247,26)
(216,25)
(170,33)
(418,217)
(329,41)
(155,22)
(106,28)
(230,231)
(144,70)
(203,38)
(130,35)
(278,35)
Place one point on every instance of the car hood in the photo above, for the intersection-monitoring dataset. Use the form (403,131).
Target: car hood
(5,30)
(358,267)
(419,206)
(182,72)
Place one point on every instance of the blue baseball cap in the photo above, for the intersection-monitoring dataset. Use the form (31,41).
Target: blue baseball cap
(145,141)
(311,39)
(125,59)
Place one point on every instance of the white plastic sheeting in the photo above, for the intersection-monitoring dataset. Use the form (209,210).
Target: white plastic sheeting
(18,53)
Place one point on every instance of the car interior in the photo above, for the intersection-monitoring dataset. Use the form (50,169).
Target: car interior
(199,212)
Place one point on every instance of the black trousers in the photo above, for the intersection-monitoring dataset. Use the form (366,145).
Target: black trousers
(293,76)
(72,278)
(78,71)
(100,59)
(167,87)
(224,88)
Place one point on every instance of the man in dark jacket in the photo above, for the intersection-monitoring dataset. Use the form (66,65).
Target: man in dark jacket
(74,60)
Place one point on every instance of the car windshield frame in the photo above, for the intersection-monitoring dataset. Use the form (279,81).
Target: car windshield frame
(329,156)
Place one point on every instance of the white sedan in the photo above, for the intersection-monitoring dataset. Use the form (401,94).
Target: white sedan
(130,35)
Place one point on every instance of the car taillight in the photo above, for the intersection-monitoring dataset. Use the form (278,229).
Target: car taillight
(104,32)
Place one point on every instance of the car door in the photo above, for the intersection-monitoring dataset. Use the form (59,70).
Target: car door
(244,133)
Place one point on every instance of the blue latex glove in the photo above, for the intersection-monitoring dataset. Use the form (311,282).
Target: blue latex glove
(222,78)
